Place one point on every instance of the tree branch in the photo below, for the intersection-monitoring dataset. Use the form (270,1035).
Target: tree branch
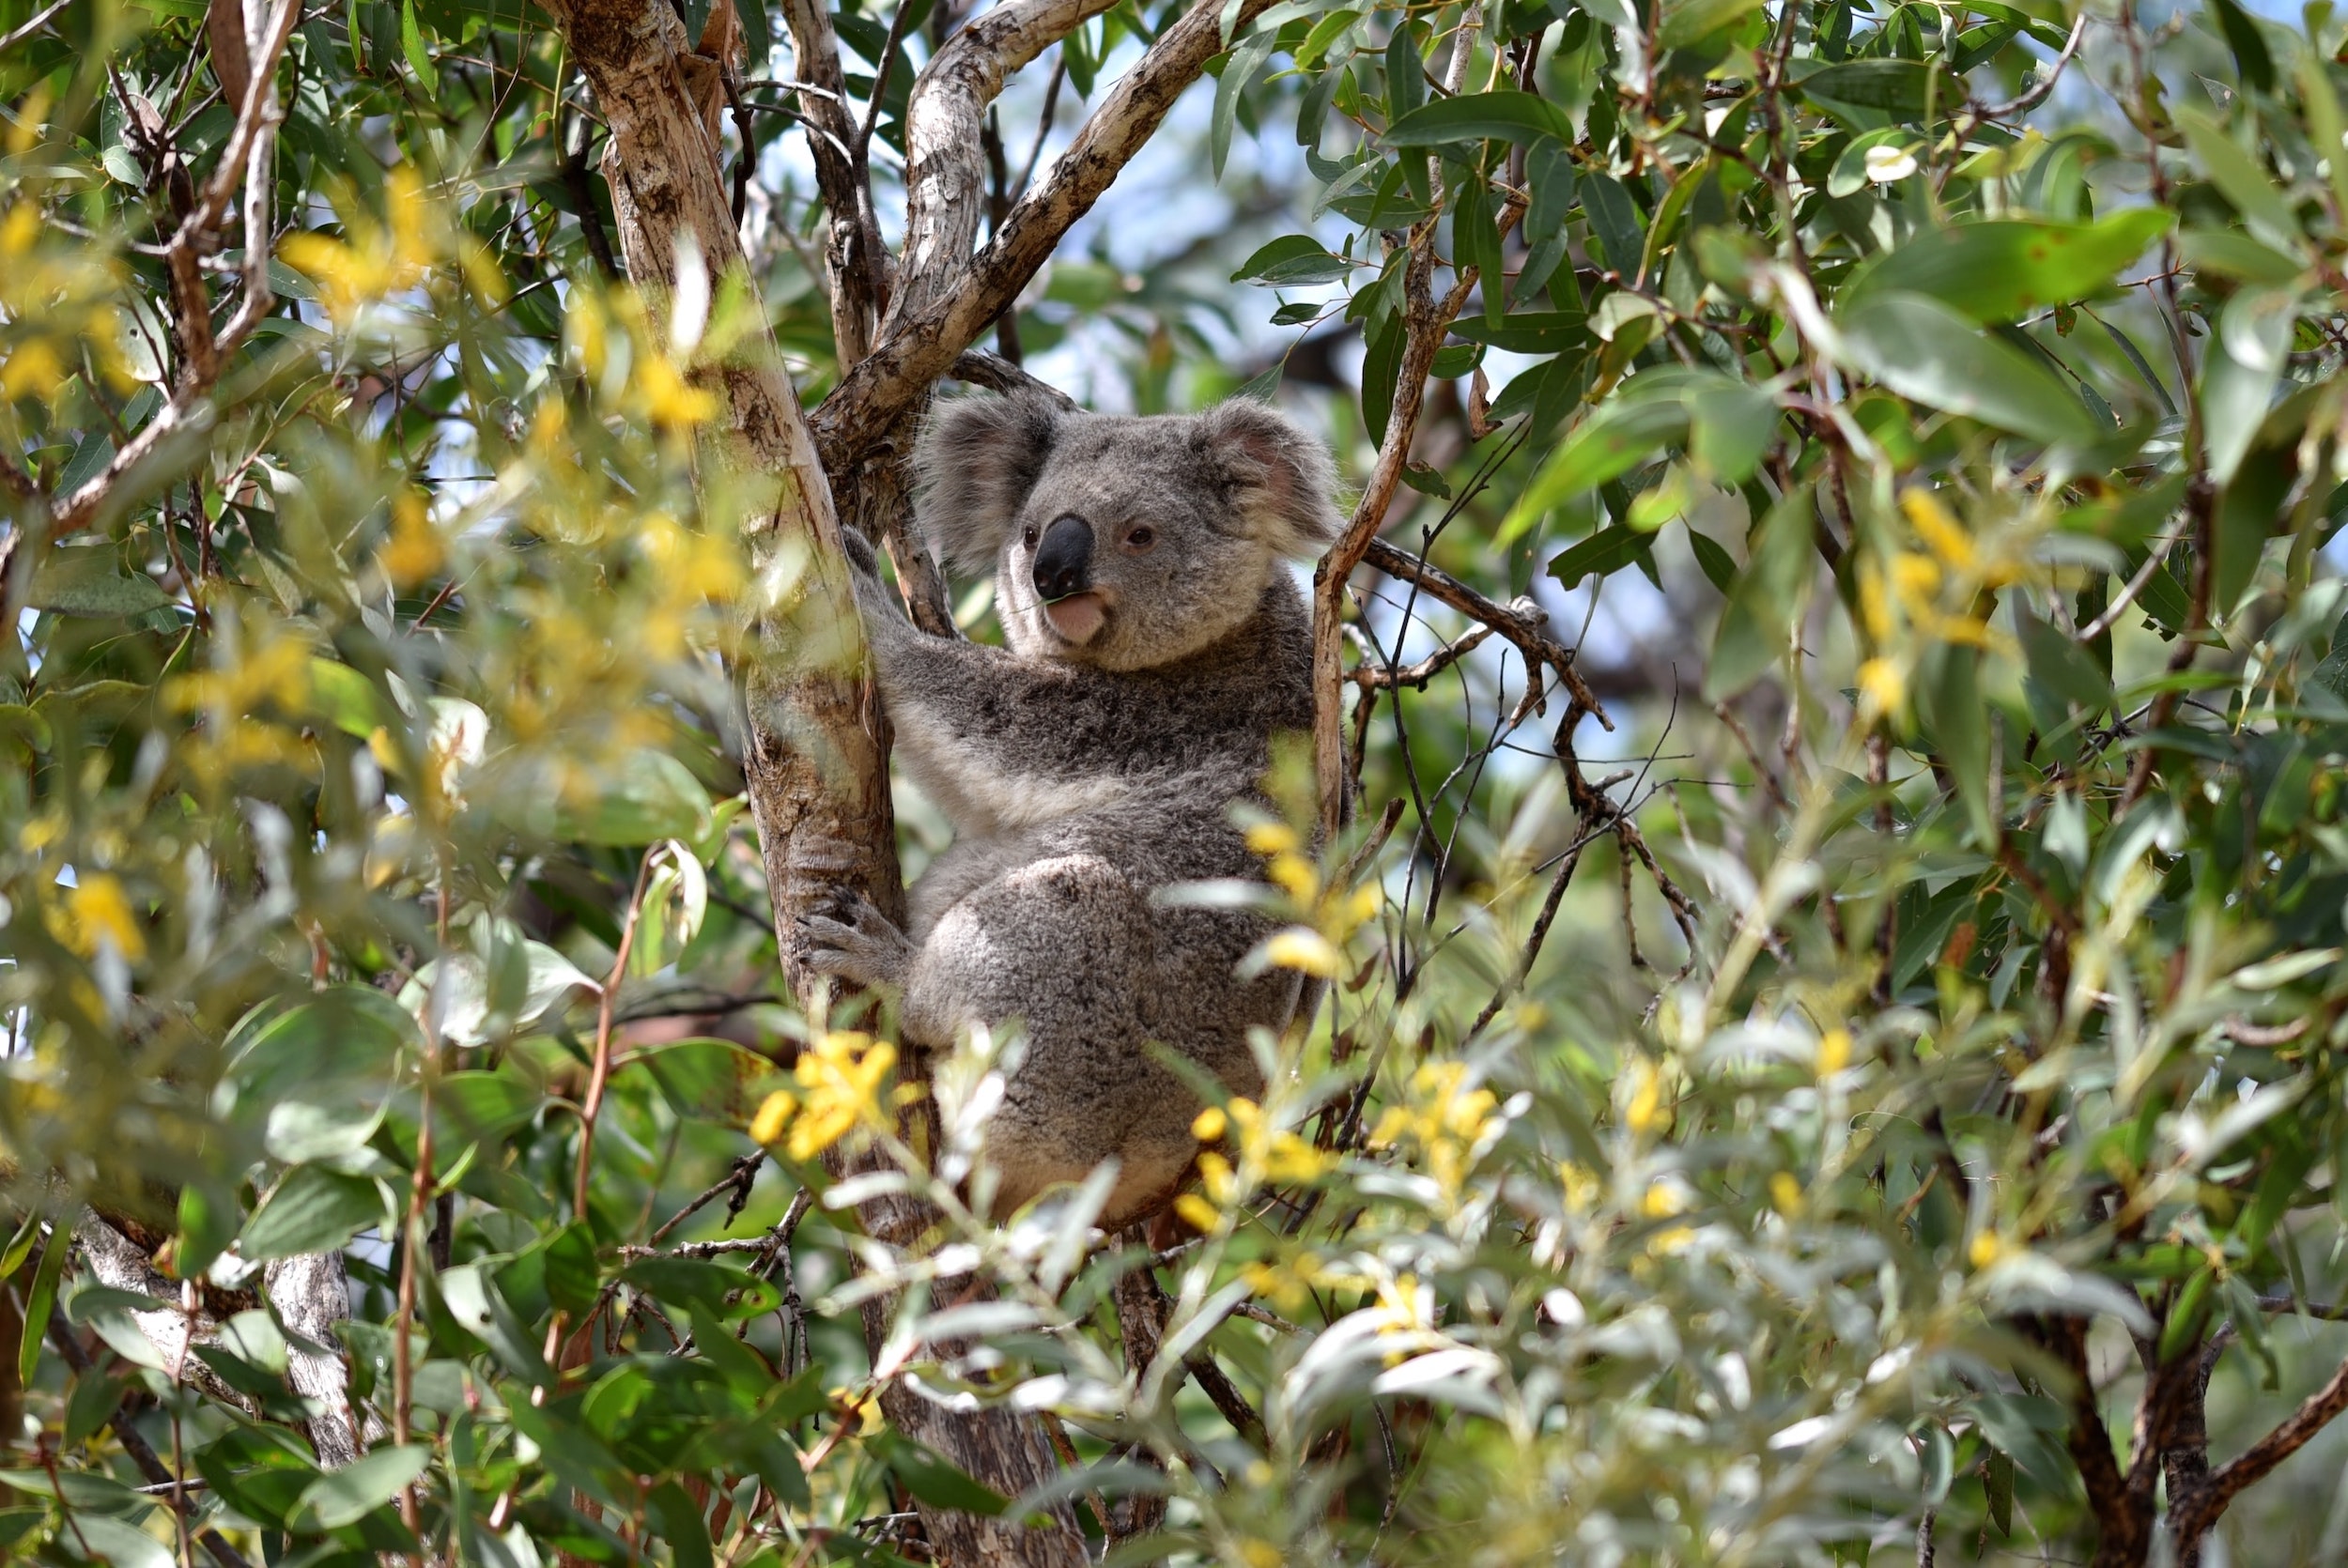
(2192,1518)
(248,159)
(875,396)
(852,255)
(817,759)
(134,1443)
(944,151)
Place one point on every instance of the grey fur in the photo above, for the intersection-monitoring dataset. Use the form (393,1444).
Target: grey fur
(1083,778)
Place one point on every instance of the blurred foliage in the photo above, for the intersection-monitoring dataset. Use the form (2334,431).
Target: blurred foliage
(372,809)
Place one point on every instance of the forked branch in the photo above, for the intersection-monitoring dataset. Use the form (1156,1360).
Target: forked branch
(245,163)
(921,343)
(945,131)
(2192,1516)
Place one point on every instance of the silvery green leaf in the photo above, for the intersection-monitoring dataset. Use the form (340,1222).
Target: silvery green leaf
(2278,972)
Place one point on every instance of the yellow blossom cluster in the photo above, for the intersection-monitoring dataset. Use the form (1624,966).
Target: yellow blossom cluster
(692,571)
(265,667)
(1287,1283)
(655,388)
(97,913)
(379,259)
(1443,1118)
(1267,1154)
(1909,588)
(413,552)
(1644,1107)
(54,307)
(1328,917)
(839,1078)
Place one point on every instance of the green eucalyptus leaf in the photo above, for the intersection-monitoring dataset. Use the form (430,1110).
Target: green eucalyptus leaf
(2005,268)
(2243,181)
(345,1496)
(313,1210)
(1503,116)
(2239,372)
(1923,350)
(88,579)
(1897,87)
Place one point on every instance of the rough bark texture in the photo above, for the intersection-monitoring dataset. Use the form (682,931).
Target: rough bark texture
(945,131)
(818,754)
(311,1293)
(921,345)
(852,257)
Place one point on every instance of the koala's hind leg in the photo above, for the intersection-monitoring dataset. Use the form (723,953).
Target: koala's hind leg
(1069,947)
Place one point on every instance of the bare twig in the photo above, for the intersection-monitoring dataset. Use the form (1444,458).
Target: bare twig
(2045,85)
(600,1074)
(32,24)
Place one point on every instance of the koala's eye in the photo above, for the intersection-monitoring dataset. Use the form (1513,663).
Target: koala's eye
(1029,536)
(1141,538)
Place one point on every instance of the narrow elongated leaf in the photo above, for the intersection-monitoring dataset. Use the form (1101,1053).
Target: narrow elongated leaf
(933,1479)
(1293,259)
(1382,366)
(1896,86)
(2238,175)
(1501,117)
(88,579)
(1528,331)
(38,1301)
(346,1496)
(1730,428)
(1549,170)
(2244,360)
(2061,664)
(2235,256)
(1614,440)
(1604,552)
(1686,21)
(1239,73)
(2007,267)
(2251,55)
(648,796)
(1767,600)
(412,44)
(1614,221)
(1923,350)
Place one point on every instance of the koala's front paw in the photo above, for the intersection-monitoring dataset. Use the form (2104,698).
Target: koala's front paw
(856,943)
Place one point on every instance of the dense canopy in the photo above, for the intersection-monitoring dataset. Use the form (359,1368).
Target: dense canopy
(1822,833)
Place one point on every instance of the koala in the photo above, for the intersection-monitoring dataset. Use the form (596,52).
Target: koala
(1157,643)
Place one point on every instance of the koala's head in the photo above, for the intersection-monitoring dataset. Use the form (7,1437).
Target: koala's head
(1119,542)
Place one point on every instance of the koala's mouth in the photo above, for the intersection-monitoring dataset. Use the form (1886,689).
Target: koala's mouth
(1078,615)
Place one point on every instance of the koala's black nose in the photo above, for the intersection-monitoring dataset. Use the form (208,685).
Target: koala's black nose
(1063,562)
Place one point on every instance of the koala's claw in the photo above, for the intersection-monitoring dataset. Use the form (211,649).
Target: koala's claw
(856,943)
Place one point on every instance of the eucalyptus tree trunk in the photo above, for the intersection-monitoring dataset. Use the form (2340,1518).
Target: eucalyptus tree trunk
(818,744)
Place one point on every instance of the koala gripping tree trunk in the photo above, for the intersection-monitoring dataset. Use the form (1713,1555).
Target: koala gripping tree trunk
(818,746)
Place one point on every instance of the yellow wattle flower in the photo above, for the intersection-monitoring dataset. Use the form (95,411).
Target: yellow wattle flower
(1938,526)
(1834,1051)
(1307,951)
(98,912)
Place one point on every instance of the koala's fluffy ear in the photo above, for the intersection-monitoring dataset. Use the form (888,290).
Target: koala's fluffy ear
(977,460)
(1280,476)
